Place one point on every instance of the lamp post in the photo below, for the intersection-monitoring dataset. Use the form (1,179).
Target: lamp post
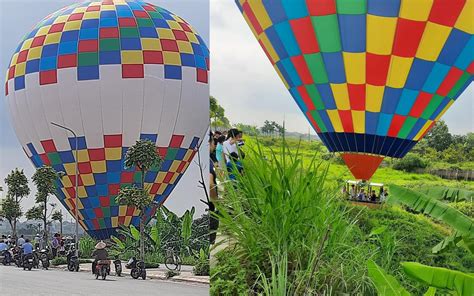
(76,212)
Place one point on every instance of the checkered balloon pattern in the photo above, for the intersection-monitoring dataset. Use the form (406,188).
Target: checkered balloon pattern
(370,76)
(114,72)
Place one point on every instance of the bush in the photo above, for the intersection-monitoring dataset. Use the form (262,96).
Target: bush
(202,264)
(415,235)
(227,276)
(62,261)
(171,273)
(86,246)
(467,208)
(410,163)
(58,261)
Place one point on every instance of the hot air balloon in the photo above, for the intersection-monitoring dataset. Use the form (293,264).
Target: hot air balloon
(372,77)
(114,72)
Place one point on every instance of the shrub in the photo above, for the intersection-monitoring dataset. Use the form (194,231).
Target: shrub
(410,163)
(415,236)
(227,276)
(58,261)
(86,246)
(202,264)
(467,208)
(171,273)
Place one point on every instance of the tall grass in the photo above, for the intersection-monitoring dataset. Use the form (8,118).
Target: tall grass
(290,232)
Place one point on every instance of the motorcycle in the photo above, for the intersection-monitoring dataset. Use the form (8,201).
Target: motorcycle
(72,260)
(118,267)
(137,268)
(44,258)
(6,257)
(18,257)
(28,262)
(102,269)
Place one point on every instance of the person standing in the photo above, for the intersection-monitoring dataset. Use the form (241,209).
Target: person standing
(55,244)
(230,145)
(20,241)
(220,152)
(213,220)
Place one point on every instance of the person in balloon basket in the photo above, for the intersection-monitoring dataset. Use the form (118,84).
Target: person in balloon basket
(99,253)
(361,196)
(352,192)
(373,196)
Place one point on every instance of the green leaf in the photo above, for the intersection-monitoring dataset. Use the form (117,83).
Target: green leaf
(135,232)
(155,234)
(186,226)
(385,284)
(436,209)
(378,230)
(447,242)
(442,278)
(118,242)
(431,292)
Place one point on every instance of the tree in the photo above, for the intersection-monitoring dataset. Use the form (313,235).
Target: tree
(439,137)
(278,128)
(18,189)
(142,156)
(217,114)
(248,129)
(58,216)
(44,178)
(10,211)
(268,128)
(140,199)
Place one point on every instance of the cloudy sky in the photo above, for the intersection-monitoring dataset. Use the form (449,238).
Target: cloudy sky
(246,85)
(17,17)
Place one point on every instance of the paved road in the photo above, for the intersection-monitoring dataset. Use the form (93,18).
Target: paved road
(17,282)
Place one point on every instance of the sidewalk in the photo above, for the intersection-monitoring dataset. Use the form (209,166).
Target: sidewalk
(186,274)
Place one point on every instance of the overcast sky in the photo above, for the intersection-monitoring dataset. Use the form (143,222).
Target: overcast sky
(18,17)
(246,85)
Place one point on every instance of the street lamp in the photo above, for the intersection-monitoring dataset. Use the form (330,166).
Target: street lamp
(76,212)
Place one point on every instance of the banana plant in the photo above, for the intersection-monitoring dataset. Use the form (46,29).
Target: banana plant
(437,278)
(385,283)
(441,278)
(462,224)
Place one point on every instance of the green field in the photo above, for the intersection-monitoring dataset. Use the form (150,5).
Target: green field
(338,172)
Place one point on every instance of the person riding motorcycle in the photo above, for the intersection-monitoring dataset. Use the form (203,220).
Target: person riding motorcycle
(4,251)
(27,249)
(100,253)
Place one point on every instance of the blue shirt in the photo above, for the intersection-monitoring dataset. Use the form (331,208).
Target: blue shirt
(220,153)
(3,247)
(27,248)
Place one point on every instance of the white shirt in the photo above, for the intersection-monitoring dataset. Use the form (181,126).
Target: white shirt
(20,241)
(228,149)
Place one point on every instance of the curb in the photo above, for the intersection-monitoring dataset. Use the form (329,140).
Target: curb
(155,277)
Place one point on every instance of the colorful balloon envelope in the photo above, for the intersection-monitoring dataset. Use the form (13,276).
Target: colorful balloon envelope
(372,77)
(114,72)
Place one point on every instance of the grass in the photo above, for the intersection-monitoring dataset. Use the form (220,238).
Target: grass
(285,220)
(292,235)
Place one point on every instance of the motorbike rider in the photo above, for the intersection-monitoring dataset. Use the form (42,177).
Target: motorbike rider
(4,250)
(27,249)
(100,253)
